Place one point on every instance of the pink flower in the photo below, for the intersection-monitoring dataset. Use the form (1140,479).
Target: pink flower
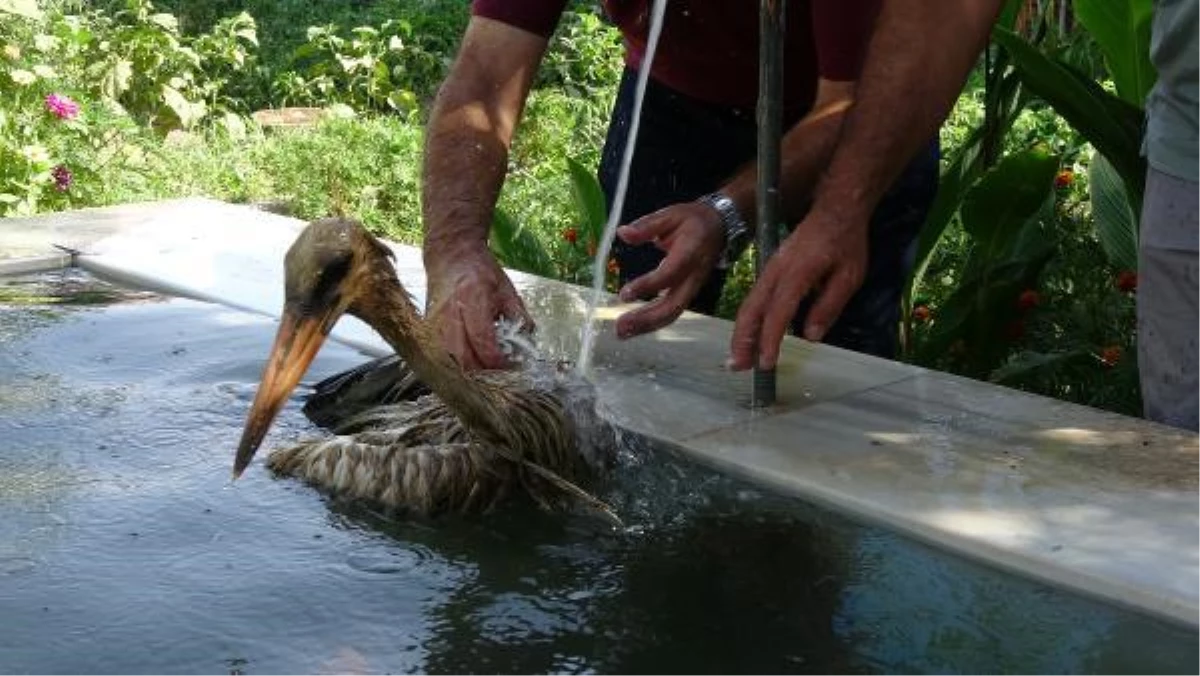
(62,107)
(62,177)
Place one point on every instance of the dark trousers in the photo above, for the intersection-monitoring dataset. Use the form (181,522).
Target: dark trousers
(687,148)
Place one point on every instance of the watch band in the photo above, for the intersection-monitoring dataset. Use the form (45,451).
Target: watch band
(736,231)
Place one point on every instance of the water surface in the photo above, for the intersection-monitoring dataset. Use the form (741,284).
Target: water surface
(125,549)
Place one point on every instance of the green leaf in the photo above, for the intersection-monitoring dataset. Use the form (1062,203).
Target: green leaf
(341,111)
(1008,14)
(187,112)
(1007,196)
(26,8)
(246,28)
(1037,236)
(45,43)
(115,80)
(517,248)
(1122,29)
(248,34)
(7,198)
(589,200)
(1116,223)
(978,313)
(234,126)
(167,22)
(1005,213)
(1029,363)
(402,100)
(1111,125)
(22,77)
(964,170)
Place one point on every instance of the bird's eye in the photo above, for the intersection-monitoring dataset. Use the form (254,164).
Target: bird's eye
(331,276)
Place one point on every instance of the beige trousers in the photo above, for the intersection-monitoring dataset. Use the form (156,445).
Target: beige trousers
(1166,295)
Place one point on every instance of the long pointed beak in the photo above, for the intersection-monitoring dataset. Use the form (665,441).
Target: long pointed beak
(296,344)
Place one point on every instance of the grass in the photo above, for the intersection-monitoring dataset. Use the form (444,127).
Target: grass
(367,167)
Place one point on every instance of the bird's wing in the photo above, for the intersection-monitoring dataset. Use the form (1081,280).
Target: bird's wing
(387,380)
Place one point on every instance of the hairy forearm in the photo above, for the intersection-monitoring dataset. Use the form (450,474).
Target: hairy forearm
(469,133)
(804,153)
(464,168)
(918,60)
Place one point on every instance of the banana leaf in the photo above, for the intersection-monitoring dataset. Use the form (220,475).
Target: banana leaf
(1115,218)
(1122,30)
(589,200)
(1112,125)
(517,248)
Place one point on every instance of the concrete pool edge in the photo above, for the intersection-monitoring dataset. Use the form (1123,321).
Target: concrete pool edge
(25,265)
(1127,597)
(870,421)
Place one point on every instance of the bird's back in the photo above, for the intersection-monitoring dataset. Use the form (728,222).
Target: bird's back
(401,447)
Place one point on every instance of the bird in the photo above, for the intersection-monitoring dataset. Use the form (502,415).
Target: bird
(439,439)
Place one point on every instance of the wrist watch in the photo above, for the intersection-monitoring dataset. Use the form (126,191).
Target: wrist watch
(737,233)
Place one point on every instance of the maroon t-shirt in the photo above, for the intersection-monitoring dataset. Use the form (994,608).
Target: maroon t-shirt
(709,48)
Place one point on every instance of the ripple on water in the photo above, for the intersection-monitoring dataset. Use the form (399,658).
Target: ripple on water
(383,560)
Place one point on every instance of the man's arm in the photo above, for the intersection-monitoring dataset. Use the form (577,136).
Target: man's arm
(466,158)
(918,60)
(806,150)
(692,234)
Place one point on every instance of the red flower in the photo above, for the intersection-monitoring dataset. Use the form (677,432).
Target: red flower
(1110,355)
(1127,281)
(613,267)
(571,235)
(921,313)
(1064,179)
(1028,300)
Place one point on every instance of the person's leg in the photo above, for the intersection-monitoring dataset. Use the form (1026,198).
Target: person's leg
(685,149)
(870,321)
(1166,301)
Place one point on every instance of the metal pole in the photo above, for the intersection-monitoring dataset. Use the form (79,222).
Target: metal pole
(770,98)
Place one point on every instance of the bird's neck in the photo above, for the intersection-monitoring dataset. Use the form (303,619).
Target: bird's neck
(417,342)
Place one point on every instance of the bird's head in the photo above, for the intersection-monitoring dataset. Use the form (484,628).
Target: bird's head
(335,266)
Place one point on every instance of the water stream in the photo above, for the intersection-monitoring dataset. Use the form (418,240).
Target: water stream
(599,265)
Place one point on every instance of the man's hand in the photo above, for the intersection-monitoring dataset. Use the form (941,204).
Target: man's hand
(826,255)
(692,236)
(468,292)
